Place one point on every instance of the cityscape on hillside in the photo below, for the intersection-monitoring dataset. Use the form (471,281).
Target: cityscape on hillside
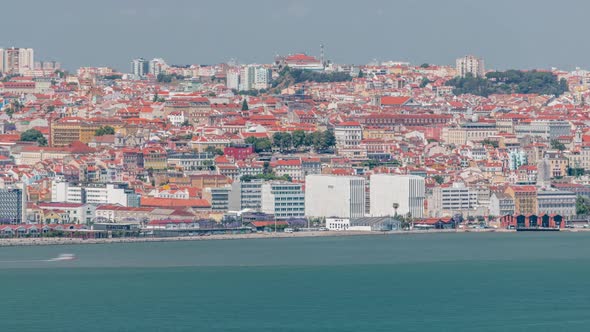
(300,143)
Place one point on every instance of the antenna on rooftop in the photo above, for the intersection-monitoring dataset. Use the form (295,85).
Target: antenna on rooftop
(322,54)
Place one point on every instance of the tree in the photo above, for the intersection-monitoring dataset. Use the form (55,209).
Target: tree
(185,123)
(33,135)
(582,205)
(371,163)
(424,65)
(439,179)
(361,74)
(557,145)
(155,99)
(265,176)
(213,150)
(104,130)
(260,144)
(245,105)
(425,81)
(298,138)
(328,139)
(283,141)
(487,141)
(510,81)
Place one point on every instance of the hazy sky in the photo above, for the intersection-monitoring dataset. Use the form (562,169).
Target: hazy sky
(506,33)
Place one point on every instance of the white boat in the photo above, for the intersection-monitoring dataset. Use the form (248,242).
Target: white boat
(63,257)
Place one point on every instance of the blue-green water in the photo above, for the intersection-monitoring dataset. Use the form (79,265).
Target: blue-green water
(426,282)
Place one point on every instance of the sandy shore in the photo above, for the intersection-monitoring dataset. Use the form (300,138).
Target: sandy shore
(66,241)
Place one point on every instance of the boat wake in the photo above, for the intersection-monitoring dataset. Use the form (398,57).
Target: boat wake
(59,258)
(62,257)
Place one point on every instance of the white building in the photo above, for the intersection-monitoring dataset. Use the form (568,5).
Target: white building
(453,199)
(76,213)
(470,65)
(283,199)
(233,79)
(65,192)
(348,139)
(262,78)
(176,118)
(337,224)
(407,192)
(334,196)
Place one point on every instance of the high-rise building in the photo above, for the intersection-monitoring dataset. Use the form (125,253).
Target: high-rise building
(139,67)
(470,65)
(156,66)
(262,77)
(233,78)
(334,196)
(391,194)
(17,60)
(246,195)
(247,78)
(12,206)
(283,199)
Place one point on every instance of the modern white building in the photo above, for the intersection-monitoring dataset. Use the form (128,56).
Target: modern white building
(407,192)
(470,65)
(456,198)
(111,193)
(334,196)
(283,199)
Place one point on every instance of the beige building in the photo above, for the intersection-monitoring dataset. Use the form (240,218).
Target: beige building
(16,60)
(468,132)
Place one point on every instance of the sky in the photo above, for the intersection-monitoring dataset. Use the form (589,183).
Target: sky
(522,34)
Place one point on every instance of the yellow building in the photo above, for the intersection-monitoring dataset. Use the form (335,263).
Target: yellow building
(67,130)
(525,199)
(155,158)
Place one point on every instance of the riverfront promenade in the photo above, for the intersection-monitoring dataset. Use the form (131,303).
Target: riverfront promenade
(269,235)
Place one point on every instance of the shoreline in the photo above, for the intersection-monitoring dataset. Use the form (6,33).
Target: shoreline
(41,241)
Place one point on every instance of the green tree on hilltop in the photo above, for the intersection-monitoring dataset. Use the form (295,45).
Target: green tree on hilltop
(557,145)
(104,130)
(33,135)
